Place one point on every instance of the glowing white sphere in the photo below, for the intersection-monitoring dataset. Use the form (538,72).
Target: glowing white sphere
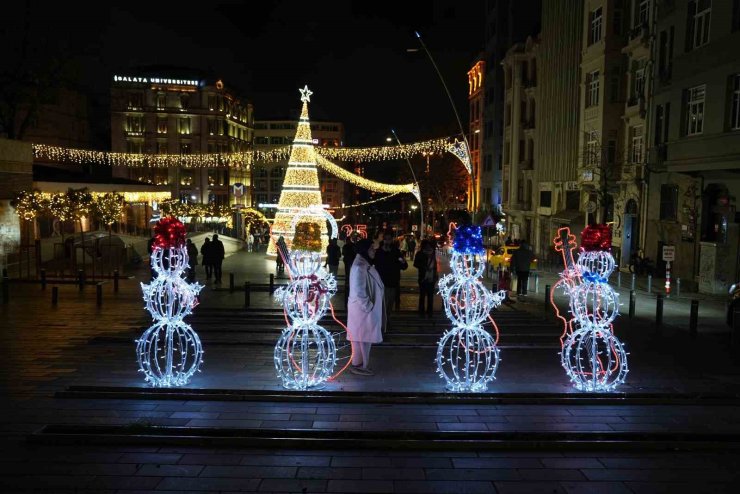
(169,353)
(594,303)
(467,359)
(305,356)
(598,262)
(594,359)
(169,297)
(304,263)
(467,265)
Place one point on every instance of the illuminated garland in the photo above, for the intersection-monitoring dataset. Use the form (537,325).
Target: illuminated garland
(364,183)
(386,153)
(360,204)
(109,207)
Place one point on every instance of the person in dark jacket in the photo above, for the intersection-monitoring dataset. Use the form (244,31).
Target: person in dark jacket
(521,261)
(192,259)
(218,257)
(206,251)
(426,262)
(389,261)
(348,255)
(333,253)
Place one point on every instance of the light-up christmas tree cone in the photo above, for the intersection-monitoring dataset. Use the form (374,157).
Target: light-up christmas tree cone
(592,356)
(305,354)
(467,355)
(300,194)
(169,352)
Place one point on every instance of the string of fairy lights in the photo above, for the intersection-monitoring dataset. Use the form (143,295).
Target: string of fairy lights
(362,182)
(241,159)
(372,201)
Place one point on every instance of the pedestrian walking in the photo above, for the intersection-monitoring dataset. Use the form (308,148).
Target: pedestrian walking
(521,261)
(333,253)
(192,259)
(218,258)
(412,247)
(404,246)
(389,261)
(207,252)
(426,262)
(365,311)
(250,242)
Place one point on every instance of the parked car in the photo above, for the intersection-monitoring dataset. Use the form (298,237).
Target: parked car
(733,302)
(501,256)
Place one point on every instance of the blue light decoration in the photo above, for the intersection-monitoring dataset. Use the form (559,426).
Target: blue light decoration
(170,351)
(468,355)
(305,354)
(592,356)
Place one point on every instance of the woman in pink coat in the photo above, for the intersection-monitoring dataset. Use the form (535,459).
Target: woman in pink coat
(365,309)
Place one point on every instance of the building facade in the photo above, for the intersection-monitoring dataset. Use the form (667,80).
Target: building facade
(480,187)
(693,164)
(520,81)
(161,113)
(267,179)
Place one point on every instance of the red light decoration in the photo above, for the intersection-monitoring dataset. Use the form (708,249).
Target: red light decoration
(169,232)
(597,237)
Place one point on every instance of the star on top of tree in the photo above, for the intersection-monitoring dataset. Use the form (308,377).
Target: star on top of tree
(305,94)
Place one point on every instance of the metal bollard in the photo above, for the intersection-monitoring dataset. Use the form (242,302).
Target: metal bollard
(632,304)
(99,294)
(54,295)
(43,279)
(115,280)
(81,279)
(694,319)
(659,310)
(536,283)
(272,283)
(231,282)
(247,293)
(650,283)
(547,298)
(619,279)
(678,287)
(6,287)
(632,285)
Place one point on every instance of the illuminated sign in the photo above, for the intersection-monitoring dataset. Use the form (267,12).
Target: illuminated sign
(155,80)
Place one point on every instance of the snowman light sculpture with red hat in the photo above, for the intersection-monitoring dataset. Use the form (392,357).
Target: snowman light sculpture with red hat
(169,352)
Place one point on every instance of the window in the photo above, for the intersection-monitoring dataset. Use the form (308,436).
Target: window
(659,123)
(698,21)
(186,148)
(545,198)
(665,53)
(592,151)
(212,126)
(135,101)
(636,146)
(135,123)
(276,140)
(161,101)
(642,13)
(184,125)
(162,147)
(161,125)
(184,101)
(211,102)
(595,32)
(572,200)
(735,102)
(134,146)
(611,151)
(262,140)
(592,88)
(735,15)
(640,82)
(695,110)
(668,201)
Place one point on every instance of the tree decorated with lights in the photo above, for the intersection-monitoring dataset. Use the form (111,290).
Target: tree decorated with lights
(467,354)
(301,193)
(305,354)
(169,352)
(592,356)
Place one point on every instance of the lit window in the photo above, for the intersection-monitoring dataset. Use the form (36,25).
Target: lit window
(161,101)
(186,148)
(135,101)
(695,110)
(134,146)
(161,125)
(735,105)
(184,125)
(592,89)
(184,101)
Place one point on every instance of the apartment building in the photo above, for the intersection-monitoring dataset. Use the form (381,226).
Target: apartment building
(479,189)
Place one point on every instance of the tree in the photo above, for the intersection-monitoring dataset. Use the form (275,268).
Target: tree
(602,167)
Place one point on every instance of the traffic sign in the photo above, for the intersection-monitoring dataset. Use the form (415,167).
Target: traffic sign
(414,228)
(669,253)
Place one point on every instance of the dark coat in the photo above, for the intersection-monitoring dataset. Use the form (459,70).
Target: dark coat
(348,253)
(218,251)
(206,251)
(521,259)
(389,267)
(333,253)
(421,262)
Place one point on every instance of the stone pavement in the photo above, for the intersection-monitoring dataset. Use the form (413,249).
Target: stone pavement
(45,350)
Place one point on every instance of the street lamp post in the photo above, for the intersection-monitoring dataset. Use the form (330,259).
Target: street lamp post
(413,175)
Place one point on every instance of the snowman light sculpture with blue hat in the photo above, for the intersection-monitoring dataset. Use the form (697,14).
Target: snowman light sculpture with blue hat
(467,355)
(593,357)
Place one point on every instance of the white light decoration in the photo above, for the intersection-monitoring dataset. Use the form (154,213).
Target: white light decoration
(305,354)
(468,355)
(460,149)
(169,352)
(592,356)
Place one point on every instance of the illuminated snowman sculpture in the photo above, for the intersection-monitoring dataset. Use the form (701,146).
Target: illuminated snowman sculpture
(305,354)
(169,352)
(467,355)
(593,358)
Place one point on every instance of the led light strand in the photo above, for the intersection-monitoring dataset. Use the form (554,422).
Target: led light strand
(467,355)
(364,183)
(367,202)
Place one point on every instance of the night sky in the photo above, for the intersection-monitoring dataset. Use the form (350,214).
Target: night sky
(353,55)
